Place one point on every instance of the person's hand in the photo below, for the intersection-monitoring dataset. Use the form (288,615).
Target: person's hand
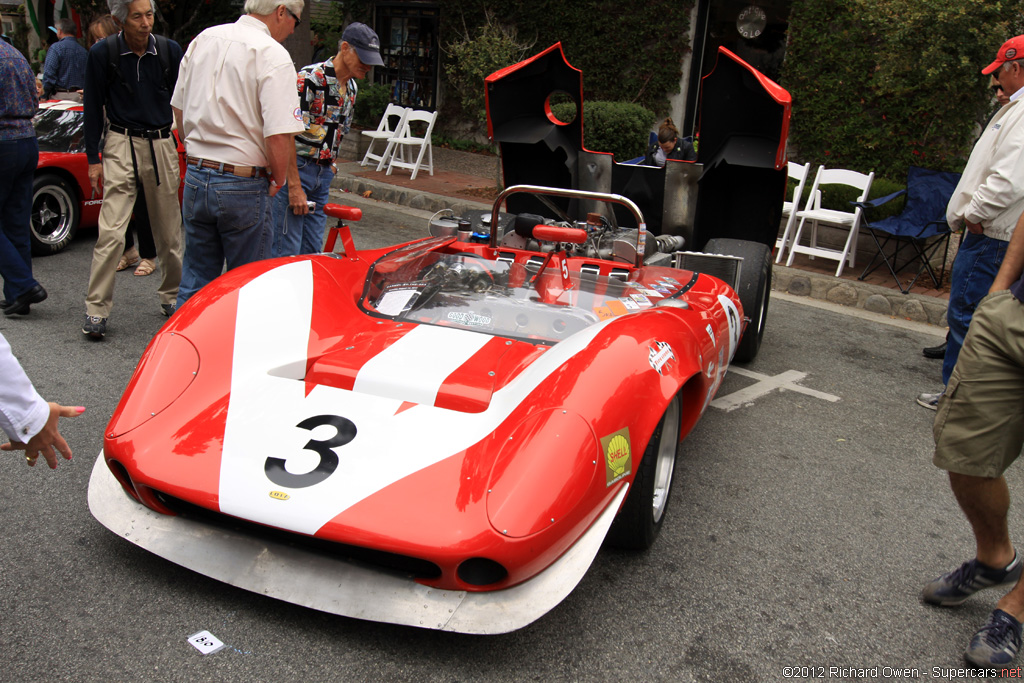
(973,228)
(96,177)
(48,441)
(297,199)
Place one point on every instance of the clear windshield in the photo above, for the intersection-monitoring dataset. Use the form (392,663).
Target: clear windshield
(60,130)
(497,297)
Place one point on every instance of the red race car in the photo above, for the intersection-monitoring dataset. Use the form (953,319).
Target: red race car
(62,199)
(443,433)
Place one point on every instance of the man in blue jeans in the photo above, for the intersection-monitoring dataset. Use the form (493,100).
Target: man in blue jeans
(19,154)
(233,139)
(987,203)
(327,96)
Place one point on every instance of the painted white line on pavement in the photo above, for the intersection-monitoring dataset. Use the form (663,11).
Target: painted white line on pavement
(765,385)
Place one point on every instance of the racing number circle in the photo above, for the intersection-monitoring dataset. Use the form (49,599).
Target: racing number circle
(345,432)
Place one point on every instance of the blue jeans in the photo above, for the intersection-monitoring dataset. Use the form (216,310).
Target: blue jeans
(974,270)
(18,159)
(226,218)
(302,234)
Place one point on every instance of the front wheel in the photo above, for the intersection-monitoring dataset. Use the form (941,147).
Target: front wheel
(641,516)
(55,214)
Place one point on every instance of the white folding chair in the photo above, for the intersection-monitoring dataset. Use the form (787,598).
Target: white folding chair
(844,220)
(385,131)
(407,140)
(797,172)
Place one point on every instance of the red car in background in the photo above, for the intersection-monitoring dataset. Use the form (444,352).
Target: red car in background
(62,199)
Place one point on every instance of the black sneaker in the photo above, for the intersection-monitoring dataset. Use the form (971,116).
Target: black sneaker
(168,310)
(958,585)
(94,327)
(996,643)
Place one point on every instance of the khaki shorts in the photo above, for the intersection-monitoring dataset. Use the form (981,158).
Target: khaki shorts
(979,426)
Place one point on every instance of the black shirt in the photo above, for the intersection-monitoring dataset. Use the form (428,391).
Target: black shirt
(139,98)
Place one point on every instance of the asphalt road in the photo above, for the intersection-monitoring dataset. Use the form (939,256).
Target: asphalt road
(801,528)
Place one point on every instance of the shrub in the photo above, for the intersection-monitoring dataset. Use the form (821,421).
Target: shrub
(473,57)
(884,84)
(618,127)
(371,101)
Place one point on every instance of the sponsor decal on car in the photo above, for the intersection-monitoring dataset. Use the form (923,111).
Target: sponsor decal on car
(279,495)
(659,356)
(618,461)
(469,318)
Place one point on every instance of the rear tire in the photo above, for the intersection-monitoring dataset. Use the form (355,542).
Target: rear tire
(641,516)
(55,214)
(754,290)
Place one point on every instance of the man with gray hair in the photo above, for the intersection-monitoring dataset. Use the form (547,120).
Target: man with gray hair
(64,69)
(239,145)
(130,76)
(327,95)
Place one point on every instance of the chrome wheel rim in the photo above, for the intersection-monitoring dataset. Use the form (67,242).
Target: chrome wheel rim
(52,209)
(665,462)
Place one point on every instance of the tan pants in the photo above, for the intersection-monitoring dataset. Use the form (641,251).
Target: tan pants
(119,193)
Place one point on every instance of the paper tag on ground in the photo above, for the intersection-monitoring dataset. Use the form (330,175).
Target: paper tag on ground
(205,642)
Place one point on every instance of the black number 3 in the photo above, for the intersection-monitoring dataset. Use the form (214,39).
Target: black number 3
(346,431)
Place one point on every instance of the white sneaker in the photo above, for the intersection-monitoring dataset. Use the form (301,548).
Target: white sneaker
(929,401)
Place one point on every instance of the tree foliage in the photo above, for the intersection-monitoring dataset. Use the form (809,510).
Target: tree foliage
(884,84)
(473,57)
(180,20)
(628,53)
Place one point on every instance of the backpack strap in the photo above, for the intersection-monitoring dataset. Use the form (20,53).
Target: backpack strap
(113,58)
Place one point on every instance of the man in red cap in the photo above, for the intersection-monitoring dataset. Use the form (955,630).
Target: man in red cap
(986,203)
(979,426)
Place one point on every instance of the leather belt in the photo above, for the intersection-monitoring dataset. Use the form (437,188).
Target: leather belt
(240,171)
(142,133)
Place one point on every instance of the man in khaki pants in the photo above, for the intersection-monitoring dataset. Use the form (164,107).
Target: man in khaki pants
(132,77)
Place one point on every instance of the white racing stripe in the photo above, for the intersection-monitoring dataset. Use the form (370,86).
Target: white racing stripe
(268,400)
(413,368)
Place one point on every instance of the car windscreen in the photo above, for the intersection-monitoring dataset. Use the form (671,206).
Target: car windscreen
(60,130)
(500,297)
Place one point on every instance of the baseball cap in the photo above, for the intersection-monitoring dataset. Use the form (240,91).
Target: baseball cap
(1011,49)
(365,41)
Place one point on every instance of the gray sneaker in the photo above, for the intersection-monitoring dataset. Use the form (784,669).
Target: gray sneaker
(996,643)
(953,588)
(94,327)
(929,401)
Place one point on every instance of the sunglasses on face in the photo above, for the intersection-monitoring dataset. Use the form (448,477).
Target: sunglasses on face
(295,18)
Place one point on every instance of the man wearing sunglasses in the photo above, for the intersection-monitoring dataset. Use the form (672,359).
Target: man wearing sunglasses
(239,144)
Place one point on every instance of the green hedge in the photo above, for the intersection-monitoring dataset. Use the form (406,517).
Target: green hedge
(884,84)
(618,127)
(371,102)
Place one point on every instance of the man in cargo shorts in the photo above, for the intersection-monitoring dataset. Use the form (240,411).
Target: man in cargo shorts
(979,432)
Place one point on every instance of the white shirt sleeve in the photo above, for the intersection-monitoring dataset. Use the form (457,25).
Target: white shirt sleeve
(279,99)
(23,412)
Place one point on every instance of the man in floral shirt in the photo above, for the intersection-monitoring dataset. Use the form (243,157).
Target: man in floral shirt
(327,96)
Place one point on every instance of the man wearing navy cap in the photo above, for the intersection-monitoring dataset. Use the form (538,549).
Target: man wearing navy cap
(327,97)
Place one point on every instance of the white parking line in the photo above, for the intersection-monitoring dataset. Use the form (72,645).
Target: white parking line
(765,385)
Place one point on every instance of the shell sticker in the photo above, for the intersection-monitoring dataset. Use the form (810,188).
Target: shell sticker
(618,461)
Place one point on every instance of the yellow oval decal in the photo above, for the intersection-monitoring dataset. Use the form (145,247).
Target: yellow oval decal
(279,495)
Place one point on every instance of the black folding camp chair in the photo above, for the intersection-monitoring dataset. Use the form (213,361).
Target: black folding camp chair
(918,231)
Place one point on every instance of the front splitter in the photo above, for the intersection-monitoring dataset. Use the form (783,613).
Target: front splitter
(338,586)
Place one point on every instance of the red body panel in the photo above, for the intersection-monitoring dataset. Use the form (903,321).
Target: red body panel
(519,493)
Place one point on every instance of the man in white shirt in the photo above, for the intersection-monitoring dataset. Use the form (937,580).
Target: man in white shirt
(29,421)
(986,203)
(240,143)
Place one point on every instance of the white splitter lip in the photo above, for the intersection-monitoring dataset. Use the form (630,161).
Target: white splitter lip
(339,586)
